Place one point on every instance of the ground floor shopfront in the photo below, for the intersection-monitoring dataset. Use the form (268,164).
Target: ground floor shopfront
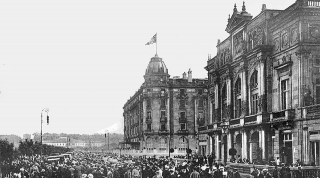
(288,140)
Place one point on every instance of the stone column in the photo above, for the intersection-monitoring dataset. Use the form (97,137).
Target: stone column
(244,144)
(229,145)
(305,141)
(276,146)
(262,144)
(217,147)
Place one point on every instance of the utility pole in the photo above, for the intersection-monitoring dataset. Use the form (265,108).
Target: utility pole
(108,141)
(46,110)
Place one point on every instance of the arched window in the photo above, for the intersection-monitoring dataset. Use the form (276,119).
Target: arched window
(224,101)
(163,144)
(183,144)
(237,109)
(149,144)
(254,99)
(254,80)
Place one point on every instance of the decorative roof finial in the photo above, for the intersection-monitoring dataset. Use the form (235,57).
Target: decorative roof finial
(243,7)
(229,18)
(235,8)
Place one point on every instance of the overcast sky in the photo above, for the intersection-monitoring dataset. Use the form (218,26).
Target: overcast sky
(84,59)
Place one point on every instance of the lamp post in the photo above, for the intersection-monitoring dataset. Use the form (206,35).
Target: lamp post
(224,125)
(45,110)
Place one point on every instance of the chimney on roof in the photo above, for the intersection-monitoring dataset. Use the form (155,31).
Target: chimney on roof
(218,42)
(184,75)
(264,7)
(189,75)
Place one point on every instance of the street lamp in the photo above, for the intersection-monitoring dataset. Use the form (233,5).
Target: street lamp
(45,110)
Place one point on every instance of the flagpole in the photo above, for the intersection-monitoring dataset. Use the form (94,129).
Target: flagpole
(156,43)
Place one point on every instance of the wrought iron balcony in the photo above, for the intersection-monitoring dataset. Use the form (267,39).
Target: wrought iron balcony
(183,132)
(163,132)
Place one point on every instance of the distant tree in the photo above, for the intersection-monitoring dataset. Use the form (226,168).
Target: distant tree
(6,150)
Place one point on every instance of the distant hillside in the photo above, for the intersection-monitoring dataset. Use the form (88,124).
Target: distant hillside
(114,138)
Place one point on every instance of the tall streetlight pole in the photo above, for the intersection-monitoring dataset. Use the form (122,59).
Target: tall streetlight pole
(45,110)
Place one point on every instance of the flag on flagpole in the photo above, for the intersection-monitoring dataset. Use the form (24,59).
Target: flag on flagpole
(153,40)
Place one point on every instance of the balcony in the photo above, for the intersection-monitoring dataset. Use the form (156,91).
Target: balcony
(183,132)
(163,119)
(163,132)
(234,123)
(283,116)
(310,111)
(202,128)
(250,120)
(149,132)
(313,3)
(182,119)
(148,120)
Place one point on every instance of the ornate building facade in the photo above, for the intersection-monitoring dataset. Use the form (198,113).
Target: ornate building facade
(165,112)
(264,86)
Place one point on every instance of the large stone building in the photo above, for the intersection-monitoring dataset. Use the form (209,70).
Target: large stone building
(165,112)
(264,86)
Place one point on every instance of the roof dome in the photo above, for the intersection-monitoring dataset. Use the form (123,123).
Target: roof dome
(156,66)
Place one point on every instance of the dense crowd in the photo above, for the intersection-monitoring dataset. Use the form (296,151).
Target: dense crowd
(103,165)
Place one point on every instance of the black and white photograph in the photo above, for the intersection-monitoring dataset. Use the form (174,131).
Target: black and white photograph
(160,89)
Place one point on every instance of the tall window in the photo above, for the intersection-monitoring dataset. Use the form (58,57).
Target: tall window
(163,114)
(200,102)
(148,127)
(183,126)
(163,102)
(183,115)
(224,102)
(183,144)
(149,144)
(182,103)
(163,127)
(254,104)
(237,111)
(148,102)
(284,94)
(238,108)
(200,91)
(318,90)
(163,144)
(149,115)
(254,80)
(182,92)
(254,93)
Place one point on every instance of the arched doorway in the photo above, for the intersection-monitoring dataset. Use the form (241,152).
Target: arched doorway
(149,144)
(183,144)
(238,147)
(254,147)
(224,148)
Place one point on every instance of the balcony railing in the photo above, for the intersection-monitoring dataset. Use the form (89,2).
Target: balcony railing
(250,120)
(163,119)
(314,3)
(149,132)
(310,111)
(161,132)
(182,119)
(202,128)
(148,119)
(281,116)
(183,132)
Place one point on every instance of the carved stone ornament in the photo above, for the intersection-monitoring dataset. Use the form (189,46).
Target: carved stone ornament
(238,43)
(276,42)
(284,39)
(253,63)
(294,35)
(314,31)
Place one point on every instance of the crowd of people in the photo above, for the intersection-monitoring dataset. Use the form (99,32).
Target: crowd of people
(107,165)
